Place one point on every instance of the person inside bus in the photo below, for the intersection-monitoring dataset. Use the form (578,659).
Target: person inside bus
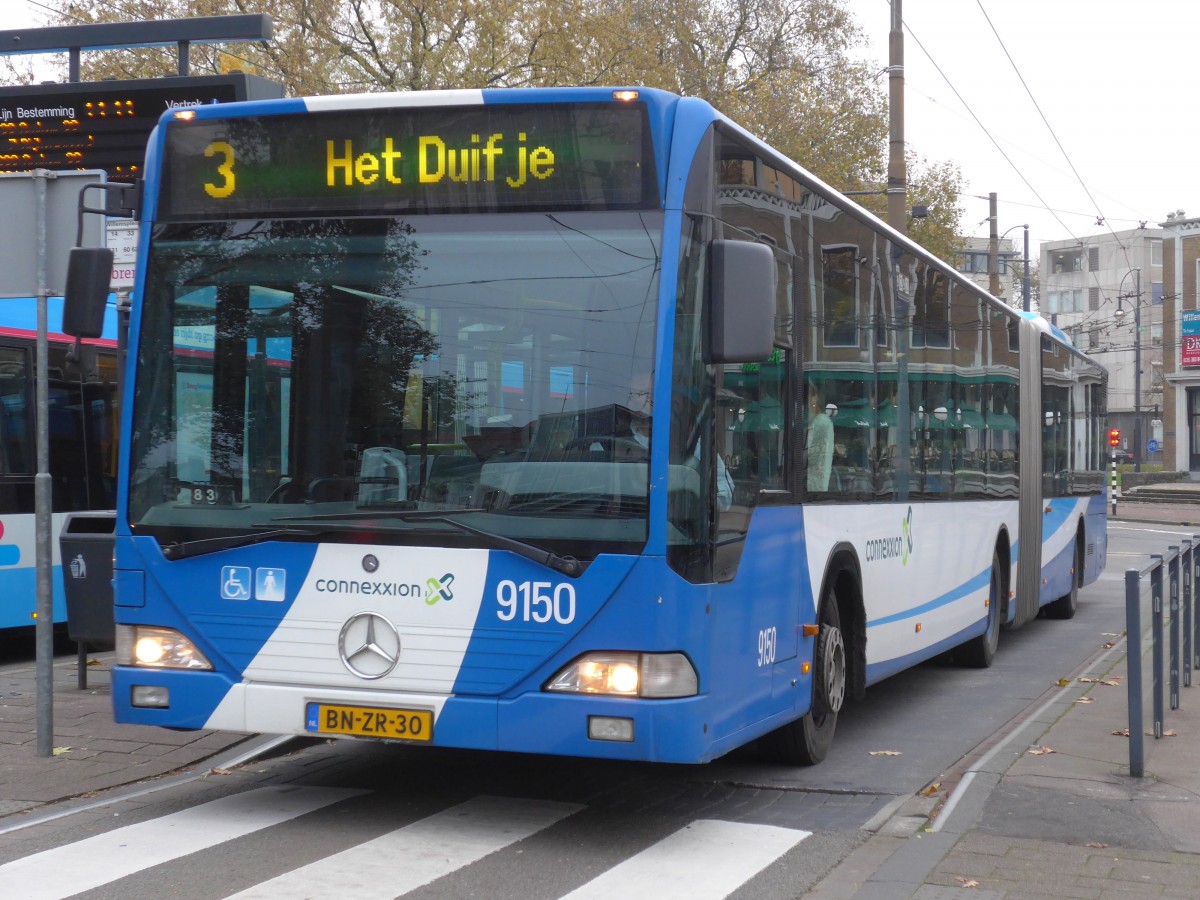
(819,440)
(640,403)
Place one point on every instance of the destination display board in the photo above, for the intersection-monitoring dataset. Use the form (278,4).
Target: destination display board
(106,124)
(490,158)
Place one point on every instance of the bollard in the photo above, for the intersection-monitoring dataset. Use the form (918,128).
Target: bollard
(1173,630)
(1133,674)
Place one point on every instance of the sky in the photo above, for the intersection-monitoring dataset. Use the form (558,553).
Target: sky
(1108,80)
(1090,119)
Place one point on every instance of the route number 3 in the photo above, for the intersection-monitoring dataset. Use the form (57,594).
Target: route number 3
(224,169)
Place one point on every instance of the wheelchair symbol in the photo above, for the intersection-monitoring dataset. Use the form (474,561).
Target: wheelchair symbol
(235,582)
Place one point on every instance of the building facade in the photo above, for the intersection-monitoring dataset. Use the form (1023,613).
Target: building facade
(973,262)
(1181,322)
(1106,292)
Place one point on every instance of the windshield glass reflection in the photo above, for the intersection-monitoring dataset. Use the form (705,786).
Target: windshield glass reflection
(492,367)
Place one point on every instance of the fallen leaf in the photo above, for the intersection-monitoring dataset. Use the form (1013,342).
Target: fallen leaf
(932,789)
(94,662)
(1096,845)
(1108,645)
(1040,751)
(1084,700)
(59,751)
(1124,732)
(966,882)
(220,771)
(885,753)
(1064,682)
(1169,732)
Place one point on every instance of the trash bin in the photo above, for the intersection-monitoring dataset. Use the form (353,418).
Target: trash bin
(85,545)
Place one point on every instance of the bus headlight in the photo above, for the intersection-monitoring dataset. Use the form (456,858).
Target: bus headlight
(627,674)
(157,648)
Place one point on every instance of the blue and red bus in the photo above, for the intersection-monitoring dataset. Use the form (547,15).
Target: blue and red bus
(572,421)
(82,424)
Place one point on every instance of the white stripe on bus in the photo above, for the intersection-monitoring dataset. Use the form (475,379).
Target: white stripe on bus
(398,100)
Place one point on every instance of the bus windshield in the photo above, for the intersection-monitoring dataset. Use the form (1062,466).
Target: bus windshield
(372,369)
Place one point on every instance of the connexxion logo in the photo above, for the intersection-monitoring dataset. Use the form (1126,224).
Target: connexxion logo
(439,589)
(900,545)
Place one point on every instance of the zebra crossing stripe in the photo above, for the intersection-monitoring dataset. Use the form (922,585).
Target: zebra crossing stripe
(87,864)
(707,860)
(404,859)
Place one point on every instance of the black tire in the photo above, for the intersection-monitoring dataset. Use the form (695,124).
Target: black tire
(806,741)
(980,651)
(1066,605)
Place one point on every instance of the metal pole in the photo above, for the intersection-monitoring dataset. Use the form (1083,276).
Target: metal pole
(1196,602)
(1133,673)
(1137,373)
(993,248)
(1156,637)
(1173,631)
(1185,571)
(1113,484)
(1025,277)
(897,182)
(44,631)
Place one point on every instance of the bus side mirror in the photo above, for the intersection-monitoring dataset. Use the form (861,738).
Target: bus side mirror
(89,270)
(741,302)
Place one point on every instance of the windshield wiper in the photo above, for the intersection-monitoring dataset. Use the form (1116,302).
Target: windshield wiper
(182,549)
(379,513)
(568,565)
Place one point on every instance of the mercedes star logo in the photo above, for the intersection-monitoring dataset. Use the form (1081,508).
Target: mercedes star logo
(369,645)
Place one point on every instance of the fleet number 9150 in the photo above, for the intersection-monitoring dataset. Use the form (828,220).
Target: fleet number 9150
(766,646)
(536,601)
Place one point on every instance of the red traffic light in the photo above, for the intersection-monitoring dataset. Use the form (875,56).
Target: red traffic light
(1114,437)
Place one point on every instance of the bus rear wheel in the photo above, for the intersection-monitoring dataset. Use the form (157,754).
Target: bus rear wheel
(806,741)
(979,652)
(1066,605)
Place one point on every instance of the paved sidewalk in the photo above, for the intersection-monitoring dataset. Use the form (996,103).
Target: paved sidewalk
(1051,811)
(1184,514)
(91,752)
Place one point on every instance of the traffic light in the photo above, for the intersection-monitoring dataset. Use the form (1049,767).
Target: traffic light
(1114,437)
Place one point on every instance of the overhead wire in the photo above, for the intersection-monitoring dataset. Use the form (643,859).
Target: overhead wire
(1032,99)
(1044,205)
(985,130)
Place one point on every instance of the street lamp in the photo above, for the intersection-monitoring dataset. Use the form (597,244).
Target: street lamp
(1025,274)
(1137,360)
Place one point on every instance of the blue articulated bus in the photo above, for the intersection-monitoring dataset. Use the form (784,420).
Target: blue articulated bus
(571,421)
(82,424)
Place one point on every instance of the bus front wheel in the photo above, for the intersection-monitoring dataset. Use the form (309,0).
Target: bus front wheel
(806,741)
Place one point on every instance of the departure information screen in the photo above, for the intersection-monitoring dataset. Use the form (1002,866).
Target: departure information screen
(104,125)
(519,157)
